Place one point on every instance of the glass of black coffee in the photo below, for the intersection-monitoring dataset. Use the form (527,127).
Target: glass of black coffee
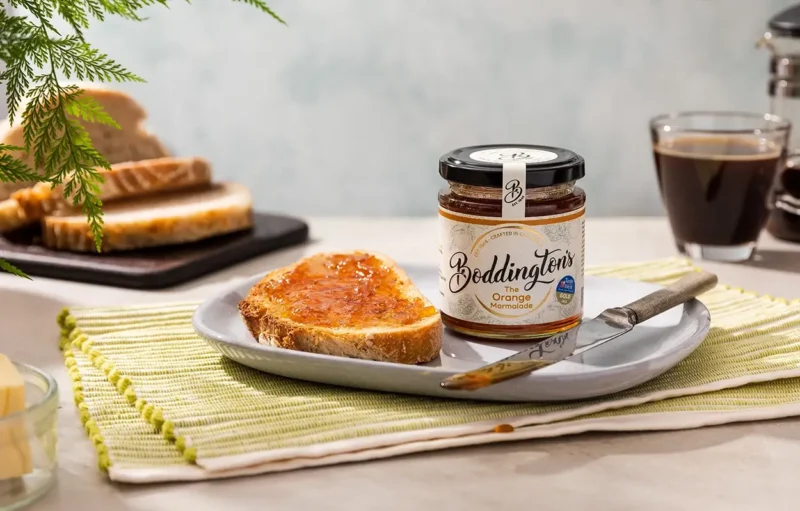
(716,172)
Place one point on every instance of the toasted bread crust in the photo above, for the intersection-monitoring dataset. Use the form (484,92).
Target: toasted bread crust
(407,344)
(121,181)
(158,227)
(12,216)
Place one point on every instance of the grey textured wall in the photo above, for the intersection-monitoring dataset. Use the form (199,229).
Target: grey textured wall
(3,108)
(347,110)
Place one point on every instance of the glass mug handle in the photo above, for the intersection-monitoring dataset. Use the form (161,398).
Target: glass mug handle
(792,158)
(781,198)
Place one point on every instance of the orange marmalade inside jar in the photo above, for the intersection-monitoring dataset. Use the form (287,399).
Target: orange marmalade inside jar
(511,241)
(351,290)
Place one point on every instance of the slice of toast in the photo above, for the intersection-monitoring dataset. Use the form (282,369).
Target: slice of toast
(156,220)
(348,304)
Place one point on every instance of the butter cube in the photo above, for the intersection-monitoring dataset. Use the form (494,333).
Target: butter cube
(15,453)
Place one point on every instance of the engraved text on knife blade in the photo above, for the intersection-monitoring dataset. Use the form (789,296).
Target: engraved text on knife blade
(576,340)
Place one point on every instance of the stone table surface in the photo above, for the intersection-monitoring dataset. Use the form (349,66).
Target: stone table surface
(734,467)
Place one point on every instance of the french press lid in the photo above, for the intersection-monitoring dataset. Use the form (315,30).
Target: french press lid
(786,23)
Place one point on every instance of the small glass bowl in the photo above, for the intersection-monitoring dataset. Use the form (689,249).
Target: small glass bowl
(28,438)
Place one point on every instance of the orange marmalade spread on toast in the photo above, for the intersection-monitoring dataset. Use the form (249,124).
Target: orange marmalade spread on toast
(345,291)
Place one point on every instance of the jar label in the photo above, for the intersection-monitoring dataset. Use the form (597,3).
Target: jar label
(500,272)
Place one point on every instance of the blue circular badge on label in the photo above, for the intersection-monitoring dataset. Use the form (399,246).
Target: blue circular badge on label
(565,290)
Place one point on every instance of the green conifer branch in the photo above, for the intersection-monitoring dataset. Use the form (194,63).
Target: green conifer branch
(35,55)
(263,7)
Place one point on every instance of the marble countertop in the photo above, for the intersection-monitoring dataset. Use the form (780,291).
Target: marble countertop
(734,467)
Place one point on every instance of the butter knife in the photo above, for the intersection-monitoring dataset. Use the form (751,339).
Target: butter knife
(588,335)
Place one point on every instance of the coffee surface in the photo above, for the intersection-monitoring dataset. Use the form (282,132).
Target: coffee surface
(716,188)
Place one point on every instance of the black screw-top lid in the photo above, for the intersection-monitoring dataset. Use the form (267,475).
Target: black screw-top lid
(786,23)
(482,165)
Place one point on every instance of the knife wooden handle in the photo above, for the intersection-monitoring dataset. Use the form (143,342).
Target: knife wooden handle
(688,287)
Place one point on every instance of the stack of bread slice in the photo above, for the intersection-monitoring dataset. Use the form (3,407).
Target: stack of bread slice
(149,198)
(130,142)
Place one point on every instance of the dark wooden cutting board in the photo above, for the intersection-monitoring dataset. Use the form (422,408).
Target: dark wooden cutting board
(155,268)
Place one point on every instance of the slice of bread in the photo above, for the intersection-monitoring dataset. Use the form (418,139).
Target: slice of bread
(156,220)
(130,142)
(122,181)
(349,304)
(12,216)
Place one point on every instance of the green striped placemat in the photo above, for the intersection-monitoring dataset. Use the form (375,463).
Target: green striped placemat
(159,404)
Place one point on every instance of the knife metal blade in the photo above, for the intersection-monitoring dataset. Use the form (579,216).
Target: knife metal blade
(588,335)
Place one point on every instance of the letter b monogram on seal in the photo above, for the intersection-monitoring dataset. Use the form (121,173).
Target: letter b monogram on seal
(514,191)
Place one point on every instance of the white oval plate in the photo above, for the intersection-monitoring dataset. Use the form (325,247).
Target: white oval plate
(636,357)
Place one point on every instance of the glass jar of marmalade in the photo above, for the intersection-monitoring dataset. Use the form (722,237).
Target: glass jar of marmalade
(511,241)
